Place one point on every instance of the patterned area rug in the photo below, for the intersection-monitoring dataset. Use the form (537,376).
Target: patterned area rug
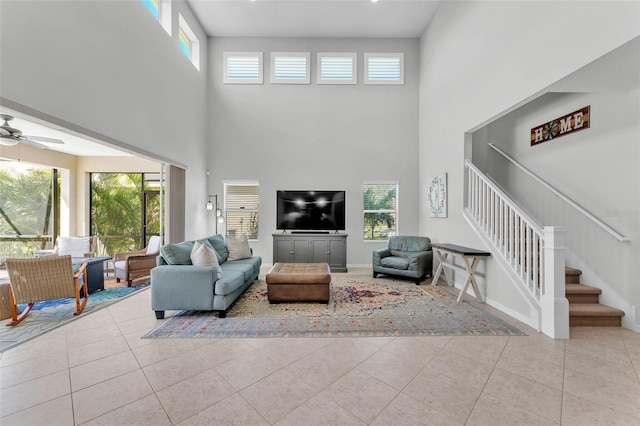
(46,316)
(359,306)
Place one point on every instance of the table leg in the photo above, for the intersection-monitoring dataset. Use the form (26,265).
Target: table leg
(471,264)
(442,257)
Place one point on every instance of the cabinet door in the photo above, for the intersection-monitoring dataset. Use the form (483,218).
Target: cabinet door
(337,254)
(319,250)
(282,250)
(300,250)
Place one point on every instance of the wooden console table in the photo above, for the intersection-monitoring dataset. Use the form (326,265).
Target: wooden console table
(470,256)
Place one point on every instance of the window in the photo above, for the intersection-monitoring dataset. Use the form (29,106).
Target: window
(384,68)
(242,67)
(290,68)
(380,201)
(188,42)
(337,68)
(241,204)
(161,11)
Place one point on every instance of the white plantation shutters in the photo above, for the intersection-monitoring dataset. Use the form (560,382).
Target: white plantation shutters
(290,68)
(242,67)
(384,68)
(337,68)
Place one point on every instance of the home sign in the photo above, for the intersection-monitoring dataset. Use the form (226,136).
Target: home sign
(573,122)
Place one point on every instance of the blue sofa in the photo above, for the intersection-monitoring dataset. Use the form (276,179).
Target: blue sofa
(176,284)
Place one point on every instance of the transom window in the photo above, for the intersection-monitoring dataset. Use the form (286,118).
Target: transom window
(384,68)
(380,201)
(161,12)
(337,68)
(290,68)
(242,67)
(188,42)
(242,208)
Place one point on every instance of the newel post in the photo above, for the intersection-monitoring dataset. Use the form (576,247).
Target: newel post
(555,306)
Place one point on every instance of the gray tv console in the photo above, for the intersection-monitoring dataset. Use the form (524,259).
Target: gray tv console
(311,248)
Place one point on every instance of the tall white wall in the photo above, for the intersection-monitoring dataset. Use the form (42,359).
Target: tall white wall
(479,59)
(323,137)
(109,68)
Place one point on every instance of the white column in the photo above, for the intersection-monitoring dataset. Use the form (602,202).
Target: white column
(555,306)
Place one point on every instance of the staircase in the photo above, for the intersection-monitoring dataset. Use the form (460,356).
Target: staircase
(584,306)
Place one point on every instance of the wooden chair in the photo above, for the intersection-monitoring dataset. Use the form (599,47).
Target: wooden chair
(136,264)
(44,278)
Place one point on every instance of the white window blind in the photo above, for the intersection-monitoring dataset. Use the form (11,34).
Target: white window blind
(290,68)
(384,68)
(241,205)
(337,68)
(242,67)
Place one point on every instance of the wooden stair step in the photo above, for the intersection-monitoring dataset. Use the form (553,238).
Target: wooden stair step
(580,293)
(593,314)
(572,275)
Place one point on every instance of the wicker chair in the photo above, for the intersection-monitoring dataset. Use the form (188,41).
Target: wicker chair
(136,264)
(44,278)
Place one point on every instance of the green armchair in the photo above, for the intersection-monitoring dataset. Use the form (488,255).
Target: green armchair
(405,256)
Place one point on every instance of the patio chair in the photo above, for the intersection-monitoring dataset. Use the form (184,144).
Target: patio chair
(136,264)
(76,246)
(44,278)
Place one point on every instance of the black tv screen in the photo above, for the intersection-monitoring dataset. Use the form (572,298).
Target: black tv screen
(311,210)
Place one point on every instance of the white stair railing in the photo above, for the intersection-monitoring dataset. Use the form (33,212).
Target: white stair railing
(527,249)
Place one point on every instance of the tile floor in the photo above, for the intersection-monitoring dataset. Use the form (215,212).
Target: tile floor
(97,371)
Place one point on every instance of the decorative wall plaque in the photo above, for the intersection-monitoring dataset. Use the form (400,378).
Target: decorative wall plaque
(438,195)
(573,122)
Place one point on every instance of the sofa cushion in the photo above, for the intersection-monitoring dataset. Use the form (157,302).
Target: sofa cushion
(238,248)
(203,254)
(395,262)
(75,246)
(254,261)
(177,254)
(230,282)
(245,268)
(218,243)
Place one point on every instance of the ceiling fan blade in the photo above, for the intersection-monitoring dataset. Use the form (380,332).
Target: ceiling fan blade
(43,139)
(34,144)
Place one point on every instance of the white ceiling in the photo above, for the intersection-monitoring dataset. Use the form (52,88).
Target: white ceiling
(314,18)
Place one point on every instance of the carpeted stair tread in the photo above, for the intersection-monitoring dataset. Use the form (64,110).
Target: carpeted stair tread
(572,275)
(575,288)
(593,309)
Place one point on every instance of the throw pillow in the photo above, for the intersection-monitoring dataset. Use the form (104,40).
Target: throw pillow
(218,243)
(205,255)
(238,247)
(177,254)
(75,246)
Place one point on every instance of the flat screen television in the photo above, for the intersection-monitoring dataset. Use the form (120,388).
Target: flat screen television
(311,210)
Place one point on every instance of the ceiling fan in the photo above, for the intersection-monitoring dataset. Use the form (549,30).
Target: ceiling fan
(10,136)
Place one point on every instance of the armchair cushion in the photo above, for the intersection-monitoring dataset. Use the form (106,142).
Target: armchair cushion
(407,256)
(75,246)
(395,262)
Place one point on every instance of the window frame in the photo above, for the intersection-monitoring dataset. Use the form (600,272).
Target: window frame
(243,209)
(194,43)
(163,11)
(354,67)
(395,211)
(225,65)
(305,55)
(368,56)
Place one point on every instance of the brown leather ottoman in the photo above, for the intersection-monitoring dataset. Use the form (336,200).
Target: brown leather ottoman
(299,282)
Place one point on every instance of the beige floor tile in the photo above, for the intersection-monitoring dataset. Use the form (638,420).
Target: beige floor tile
(40,347)
(58,412)
(33,368)
(542,347)
(320,411)
(94,372)
(221,351)
(595,366)
(462,369)
(140,325)
(173,370)
(528,364)
(288,351)
(233,411)
(525,394)
(617,396)
(486,349)
(493,411)
(187,398)
(443,394)
(578,411)
(391,369)
(421,349)
(406,411)
(319,370)
(160,349)
(604,348)
(360,394)
(94,351)
(34,392)
(99,399)
(286,392)
(247,369)
(145,411)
